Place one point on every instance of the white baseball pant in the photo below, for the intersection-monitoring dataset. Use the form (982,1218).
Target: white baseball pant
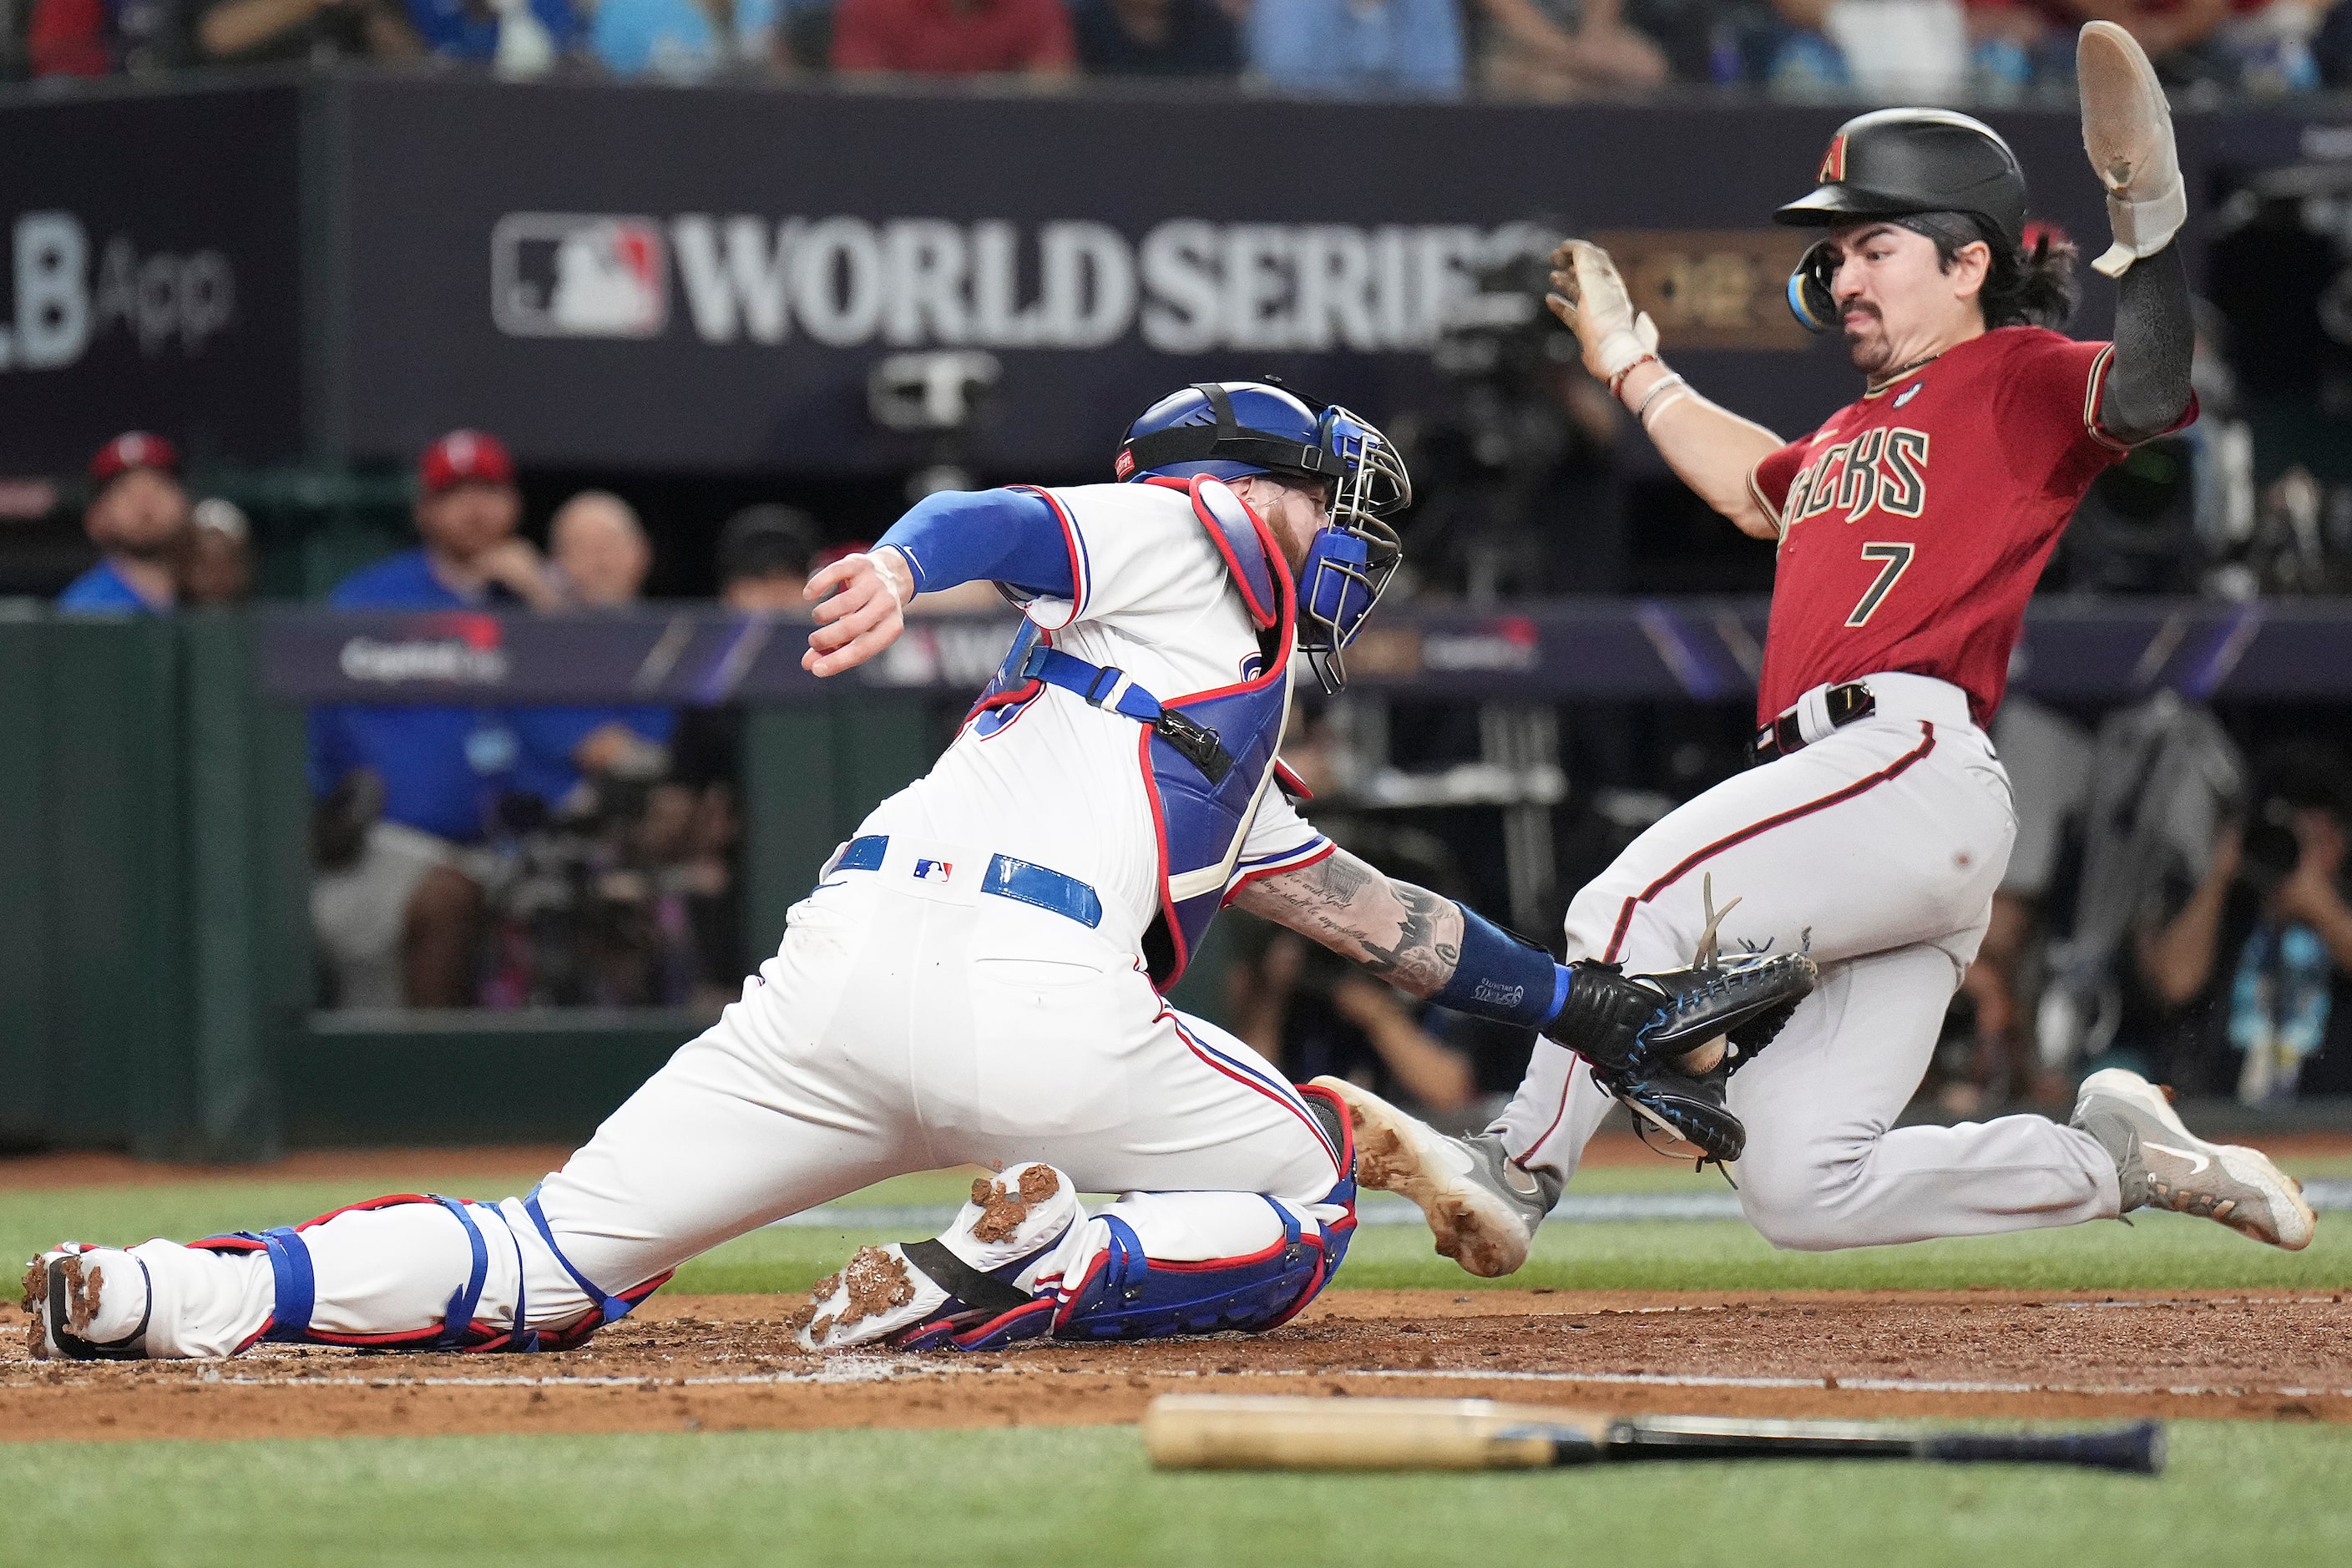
(904,1024)
(1876,848)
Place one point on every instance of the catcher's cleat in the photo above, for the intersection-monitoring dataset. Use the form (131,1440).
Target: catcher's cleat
(1640,1032)
(1481,1208)
(2159,1164)
(88,1304)
(960,1290)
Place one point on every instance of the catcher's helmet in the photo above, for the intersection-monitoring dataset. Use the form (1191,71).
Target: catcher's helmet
(1227,429)
(1897,162)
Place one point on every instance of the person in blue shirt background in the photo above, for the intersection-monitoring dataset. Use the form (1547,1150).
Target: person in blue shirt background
(138,517)
(520,38)
(1359,47)
(402,788)
(601,557)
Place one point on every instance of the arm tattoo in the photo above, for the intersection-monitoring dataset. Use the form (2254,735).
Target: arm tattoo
(1408,936)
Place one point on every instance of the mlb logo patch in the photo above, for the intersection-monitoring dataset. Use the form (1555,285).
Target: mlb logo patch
(1907,394)
(934,870)
(579,275)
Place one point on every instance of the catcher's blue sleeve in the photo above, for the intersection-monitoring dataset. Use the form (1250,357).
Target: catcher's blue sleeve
(992,536)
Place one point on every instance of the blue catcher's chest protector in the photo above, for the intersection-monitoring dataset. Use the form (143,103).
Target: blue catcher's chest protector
(1207,756)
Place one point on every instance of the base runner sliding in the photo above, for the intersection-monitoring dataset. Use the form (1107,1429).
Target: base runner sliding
(1911,529)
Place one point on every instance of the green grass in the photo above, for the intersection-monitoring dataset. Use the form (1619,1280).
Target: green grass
(2235,1493)
(2155,1252)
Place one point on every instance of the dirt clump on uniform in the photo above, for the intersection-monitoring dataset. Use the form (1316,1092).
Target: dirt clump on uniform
(82,1286)
(1379,1157)
(35,1284)
(1001,1211)
(876,1281)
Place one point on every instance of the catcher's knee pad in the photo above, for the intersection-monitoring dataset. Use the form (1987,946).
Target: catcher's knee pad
(461,1327)
(1125,1294)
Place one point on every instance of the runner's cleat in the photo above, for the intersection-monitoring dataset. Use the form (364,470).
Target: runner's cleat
(1481,1208)
(2159,1164)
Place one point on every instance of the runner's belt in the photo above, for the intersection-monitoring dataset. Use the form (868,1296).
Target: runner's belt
(1007,878)
(1797,728)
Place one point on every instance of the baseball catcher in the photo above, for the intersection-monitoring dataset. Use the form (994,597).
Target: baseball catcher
(977,977)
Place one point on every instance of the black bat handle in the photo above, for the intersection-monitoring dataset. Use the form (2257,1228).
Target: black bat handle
(2137,1448)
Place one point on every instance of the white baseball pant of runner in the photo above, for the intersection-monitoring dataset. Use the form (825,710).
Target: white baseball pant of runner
(907,1024)
(1876,848)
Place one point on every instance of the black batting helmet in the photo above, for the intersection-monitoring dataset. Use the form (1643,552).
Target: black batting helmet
(1901,161)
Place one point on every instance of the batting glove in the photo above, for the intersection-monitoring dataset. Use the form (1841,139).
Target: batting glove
(2128,131)
(1590,298)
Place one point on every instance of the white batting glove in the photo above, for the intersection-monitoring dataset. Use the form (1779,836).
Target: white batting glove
(2128,131)
(1589,296)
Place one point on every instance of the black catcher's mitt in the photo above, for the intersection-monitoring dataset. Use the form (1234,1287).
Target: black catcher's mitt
(1638,1030)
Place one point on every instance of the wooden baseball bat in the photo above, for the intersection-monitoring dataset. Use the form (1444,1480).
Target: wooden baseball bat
(1286,1432)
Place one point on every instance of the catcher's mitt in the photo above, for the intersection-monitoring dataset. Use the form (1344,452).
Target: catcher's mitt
(1640,1031)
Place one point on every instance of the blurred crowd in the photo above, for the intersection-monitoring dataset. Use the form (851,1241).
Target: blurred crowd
(2175,900)
(1988,51)
(501,856)
(2176,904)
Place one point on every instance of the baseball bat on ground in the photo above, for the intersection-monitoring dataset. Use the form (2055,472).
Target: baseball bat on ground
(1284,1432)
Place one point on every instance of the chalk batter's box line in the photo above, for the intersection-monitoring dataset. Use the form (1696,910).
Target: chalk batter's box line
(888,1372)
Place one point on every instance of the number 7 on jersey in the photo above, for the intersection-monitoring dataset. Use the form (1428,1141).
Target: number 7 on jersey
(1895,559)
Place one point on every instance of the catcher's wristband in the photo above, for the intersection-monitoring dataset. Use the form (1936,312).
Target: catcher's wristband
(1503,977)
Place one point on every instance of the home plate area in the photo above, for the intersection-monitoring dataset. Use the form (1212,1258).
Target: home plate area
(718,1362)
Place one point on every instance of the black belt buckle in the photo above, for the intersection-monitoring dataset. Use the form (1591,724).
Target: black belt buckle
(1845,704)
(1849,702)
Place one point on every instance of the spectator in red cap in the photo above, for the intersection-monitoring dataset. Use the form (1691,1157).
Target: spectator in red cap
(138,519)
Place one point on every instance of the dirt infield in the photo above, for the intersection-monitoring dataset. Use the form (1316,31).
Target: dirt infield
(719,1362)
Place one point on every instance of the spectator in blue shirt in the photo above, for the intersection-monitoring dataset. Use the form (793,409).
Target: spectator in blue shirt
(520,38)
(678,40)
(403,787)
(138,519)
(601,559)
(1358,48)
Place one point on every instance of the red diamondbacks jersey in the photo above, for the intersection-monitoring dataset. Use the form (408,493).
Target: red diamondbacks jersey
(1915,523)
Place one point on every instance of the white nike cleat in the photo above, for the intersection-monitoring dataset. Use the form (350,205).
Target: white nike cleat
(972,1287)
(2159,1164)
(1481,1206)
(87,1303)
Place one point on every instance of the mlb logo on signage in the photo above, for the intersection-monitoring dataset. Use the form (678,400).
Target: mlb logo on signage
(934,870)
(574,274)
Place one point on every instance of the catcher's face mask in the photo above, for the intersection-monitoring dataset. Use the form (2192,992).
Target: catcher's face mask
(1351,559)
